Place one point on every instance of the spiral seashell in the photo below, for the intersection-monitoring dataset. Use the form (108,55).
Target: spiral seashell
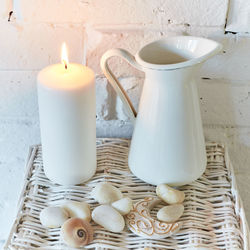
(77,232)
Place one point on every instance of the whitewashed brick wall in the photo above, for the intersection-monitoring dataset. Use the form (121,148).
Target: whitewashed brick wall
(32,39)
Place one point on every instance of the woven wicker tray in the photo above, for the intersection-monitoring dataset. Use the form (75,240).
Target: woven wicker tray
(213,216)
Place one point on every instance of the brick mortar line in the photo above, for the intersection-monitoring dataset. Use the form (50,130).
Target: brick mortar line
(146,27)
(129,26)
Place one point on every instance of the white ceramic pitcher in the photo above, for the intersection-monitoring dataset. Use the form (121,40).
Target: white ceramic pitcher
(167,144)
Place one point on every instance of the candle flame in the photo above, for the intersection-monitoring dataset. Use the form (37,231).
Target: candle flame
(64,56)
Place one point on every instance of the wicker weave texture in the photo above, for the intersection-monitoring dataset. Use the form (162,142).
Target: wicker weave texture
(213,216)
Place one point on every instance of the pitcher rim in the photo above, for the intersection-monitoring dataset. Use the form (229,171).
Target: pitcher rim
(191,62)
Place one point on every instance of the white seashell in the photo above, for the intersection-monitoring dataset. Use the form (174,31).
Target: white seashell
(78,209)
(169,194)
(123,206)
(109,218)
(53,217)
(105,193)
(170,213)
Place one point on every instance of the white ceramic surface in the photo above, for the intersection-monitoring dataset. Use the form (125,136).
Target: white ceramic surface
(168,143)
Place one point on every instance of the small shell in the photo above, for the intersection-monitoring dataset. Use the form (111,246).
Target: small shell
(78,209)
(109,218)
(53,217)
(77,232)
(170,213)
(123,206)
(169,195)
(105,193)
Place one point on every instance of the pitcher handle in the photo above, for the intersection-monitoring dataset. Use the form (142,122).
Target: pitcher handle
(114,81)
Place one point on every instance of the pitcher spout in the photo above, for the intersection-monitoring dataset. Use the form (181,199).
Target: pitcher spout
(177,52)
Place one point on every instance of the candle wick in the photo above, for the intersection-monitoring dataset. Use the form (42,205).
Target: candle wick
(65,64)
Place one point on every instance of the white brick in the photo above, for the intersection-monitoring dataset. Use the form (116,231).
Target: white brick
(18,97)
(49,11)
(193,12)
(207,32)
(120,12)
(29,46)
(233,62)
(224,104)
(238,19)
(94,11)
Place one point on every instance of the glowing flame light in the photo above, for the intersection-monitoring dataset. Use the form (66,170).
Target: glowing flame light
(64,56)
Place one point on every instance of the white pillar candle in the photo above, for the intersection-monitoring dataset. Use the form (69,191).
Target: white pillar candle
(66,99)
